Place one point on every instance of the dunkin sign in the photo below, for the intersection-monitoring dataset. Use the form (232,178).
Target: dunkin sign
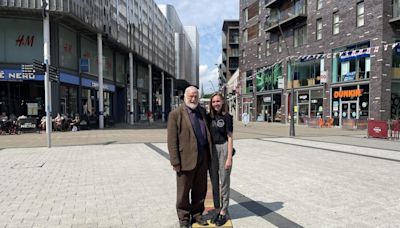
(348,93)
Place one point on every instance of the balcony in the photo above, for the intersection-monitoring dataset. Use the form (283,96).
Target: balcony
(285,18)
(271,3)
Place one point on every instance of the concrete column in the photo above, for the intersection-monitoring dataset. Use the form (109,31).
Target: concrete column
(131,113)
(150,88)
(163,95)
(101,98)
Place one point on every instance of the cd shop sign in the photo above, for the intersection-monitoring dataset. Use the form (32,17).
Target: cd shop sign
(17,75)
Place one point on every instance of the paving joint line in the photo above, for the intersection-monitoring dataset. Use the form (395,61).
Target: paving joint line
(332,150)
(348,144)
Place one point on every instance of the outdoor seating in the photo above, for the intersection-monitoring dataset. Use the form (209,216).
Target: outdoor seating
(329,122)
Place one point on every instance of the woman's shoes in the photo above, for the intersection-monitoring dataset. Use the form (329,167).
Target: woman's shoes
(214,218)
(219,220)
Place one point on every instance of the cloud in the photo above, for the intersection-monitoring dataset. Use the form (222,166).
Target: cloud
(208,78)
(208,16)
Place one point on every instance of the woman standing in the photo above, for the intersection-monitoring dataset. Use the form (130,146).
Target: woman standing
(221,129)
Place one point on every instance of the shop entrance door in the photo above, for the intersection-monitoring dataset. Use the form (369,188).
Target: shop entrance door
(303,113)
(349,110)
(268,112)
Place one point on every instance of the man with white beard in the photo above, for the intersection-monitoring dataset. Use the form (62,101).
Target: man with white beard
(189,146)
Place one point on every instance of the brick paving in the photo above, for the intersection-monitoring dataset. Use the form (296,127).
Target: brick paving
(321,178)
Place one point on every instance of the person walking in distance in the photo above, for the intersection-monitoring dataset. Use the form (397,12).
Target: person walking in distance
(221,129)
(189,146)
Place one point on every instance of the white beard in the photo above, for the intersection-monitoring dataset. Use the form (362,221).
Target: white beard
(191,105)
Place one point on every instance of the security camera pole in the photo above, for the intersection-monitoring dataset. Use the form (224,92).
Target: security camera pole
(291,131)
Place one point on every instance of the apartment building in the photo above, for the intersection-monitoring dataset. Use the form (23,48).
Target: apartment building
(340,57)
(230,63)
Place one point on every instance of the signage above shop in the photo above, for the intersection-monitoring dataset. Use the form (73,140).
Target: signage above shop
(267,99)
(348,93)
(95,85)
(18,75)
(303,97)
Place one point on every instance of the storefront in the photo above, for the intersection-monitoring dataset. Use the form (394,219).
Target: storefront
(350,105)
(21,93)
(90,99)
(247,106)
(69,85)
(395,100)
(269,107)
(308,104)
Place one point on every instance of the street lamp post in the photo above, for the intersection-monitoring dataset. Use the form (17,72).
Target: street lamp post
(291,130)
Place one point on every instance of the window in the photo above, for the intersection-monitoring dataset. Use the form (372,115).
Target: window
(280,41)
(259,30)
(360,14)
(246,15)
(253,10)
(319,29)
(300,36)
(259,51)
(253,32)
(243,57)
(335,21)
(267,50)
(396,8)
(319,4)
(245,36)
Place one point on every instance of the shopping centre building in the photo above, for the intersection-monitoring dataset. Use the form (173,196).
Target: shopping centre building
(138,46)
(341,58)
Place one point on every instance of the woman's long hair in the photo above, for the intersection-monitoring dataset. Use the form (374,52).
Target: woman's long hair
(223,110)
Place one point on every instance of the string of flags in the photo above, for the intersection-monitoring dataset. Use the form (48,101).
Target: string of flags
(342,55)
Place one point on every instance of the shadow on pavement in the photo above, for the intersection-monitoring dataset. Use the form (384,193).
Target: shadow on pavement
(254,207)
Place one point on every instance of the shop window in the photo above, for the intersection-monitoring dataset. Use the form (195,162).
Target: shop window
(363,103)
(316,101)
(396,62)
(307,72)
(352,63)
(268,78)
(395,101)
(68,100)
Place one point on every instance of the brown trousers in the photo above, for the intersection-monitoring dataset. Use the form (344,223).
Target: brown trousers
(193,182)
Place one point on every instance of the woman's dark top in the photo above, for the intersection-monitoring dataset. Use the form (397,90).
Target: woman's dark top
(220,126)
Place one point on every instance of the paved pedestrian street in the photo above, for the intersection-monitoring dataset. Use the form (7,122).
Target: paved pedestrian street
(276,182)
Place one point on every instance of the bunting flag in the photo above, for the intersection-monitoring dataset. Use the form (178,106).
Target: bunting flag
(342,55)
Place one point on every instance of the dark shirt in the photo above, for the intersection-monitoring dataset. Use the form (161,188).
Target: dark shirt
(220,127)
(201,135)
